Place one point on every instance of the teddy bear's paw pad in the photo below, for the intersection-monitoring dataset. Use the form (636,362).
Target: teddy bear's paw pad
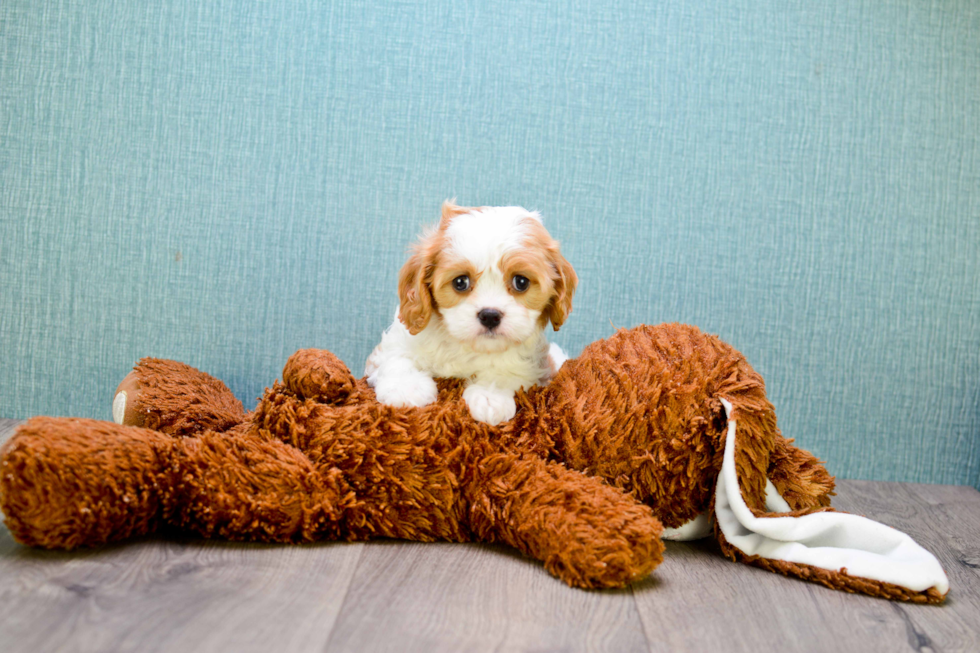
(119,407)
(124,402)
(489,404)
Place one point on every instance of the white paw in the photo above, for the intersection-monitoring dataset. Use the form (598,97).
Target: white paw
(556,356)
(489,404)
(406,391)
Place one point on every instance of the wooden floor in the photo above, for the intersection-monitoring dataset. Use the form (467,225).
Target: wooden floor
(167,595)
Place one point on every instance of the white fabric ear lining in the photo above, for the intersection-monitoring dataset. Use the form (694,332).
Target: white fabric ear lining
(700,526)
(695,529)
(827,540)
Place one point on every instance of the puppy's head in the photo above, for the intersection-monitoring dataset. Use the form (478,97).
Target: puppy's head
(493,275)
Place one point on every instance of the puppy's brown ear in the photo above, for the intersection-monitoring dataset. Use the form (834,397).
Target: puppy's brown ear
(449,211)
(565,282)
(414,295)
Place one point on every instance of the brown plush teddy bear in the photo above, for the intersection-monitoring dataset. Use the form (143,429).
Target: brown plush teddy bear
(636,433)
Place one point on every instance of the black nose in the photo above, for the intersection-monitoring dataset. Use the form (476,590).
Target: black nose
(490,317)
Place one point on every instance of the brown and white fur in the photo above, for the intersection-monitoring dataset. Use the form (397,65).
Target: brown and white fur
(475,298)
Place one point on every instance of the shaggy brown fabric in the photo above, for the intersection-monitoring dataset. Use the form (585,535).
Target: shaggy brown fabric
(627,436)
(177,403)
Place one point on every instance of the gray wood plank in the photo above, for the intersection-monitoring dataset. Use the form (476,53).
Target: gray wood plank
(172,596)
(470,597)
(946,520)
(701,601)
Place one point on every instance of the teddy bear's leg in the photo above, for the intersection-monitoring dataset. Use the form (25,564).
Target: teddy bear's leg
(238,485)
(174,398)
(66,482)
(587,533)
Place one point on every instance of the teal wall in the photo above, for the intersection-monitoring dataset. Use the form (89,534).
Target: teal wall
(223,182)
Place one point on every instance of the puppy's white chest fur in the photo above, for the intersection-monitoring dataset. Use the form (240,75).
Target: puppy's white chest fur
(437,354)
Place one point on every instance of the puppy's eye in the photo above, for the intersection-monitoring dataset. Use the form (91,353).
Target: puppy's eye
(520,283)
(461,283)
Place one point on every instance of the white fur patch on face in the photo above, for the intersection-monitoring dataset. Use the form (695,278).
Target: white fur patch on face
(482,238)
(517,322)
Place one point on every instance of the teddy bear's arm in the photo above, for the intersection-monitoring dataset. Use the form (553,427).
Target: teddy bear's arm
(587,533)
(319,375)
(66,483)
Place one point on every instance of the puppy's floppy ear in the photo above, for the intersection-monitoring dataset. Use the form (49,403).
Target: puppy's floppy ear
(449,211)
(565,282)
(415,298)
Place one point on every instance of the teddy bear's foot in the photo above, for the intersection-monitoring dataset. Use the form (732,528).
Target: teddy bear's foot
(174,398)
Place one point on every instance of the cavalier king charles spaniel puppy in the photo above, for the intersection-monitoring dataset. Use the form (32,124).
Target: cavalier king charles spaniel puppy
(475,297)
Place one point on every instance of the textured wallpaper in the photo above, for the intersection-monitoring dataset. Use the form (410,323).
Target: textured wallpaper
(223,182)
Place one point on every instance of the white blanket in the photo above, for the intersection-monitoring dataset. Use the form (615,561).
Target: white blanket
(827,540)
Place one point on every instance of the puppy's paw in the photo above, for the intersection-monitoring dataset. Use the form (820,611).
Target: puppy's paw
(489,404)
(405,391)
(556,358)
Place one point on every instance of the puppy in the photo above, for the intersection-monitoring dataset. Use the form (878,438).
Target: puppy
(475,297)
